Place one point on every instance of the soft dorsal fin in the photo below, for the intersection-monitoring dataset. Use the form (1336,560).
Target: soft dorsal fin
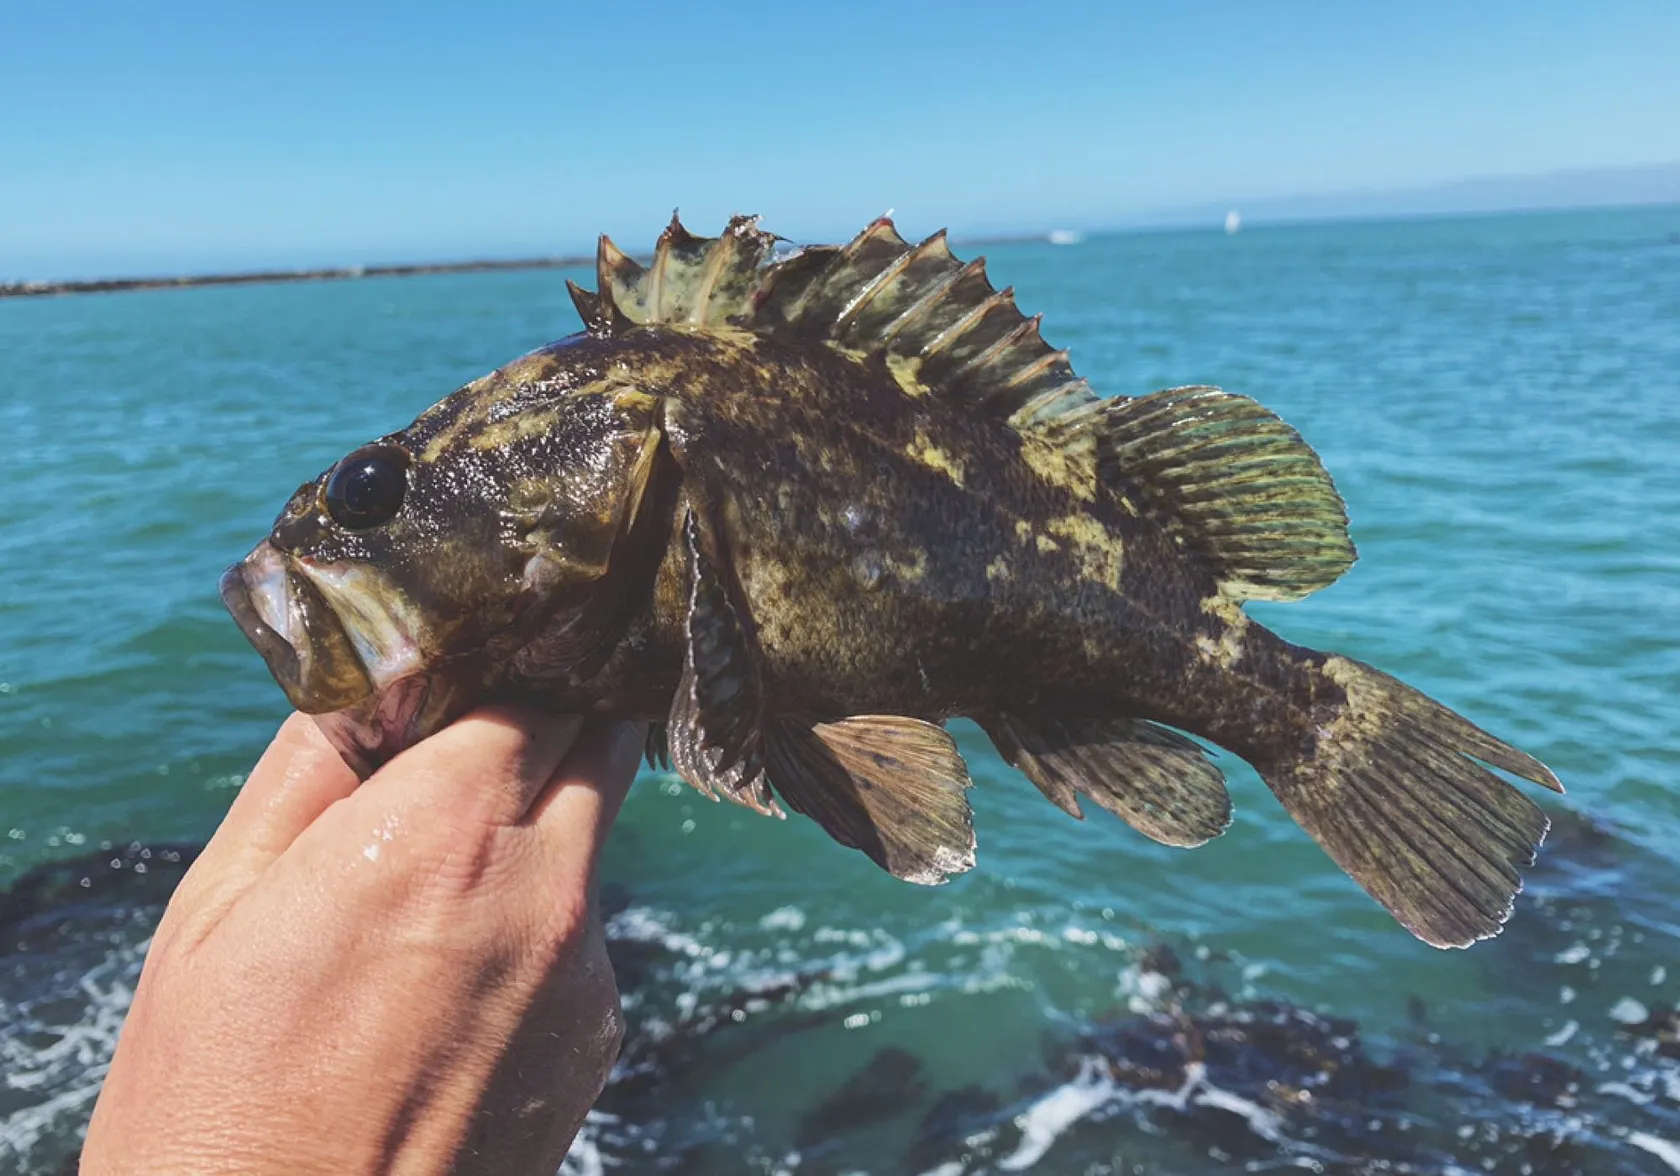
(952,332)
(1235,485)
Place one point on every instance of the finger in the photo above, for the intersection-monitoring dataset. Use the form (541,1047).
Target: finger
(298,778)
(490,765)
(576,810)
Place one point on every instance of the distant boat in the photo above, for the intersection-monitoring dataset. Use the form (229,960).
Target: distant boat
(1233,222)
(1064,237)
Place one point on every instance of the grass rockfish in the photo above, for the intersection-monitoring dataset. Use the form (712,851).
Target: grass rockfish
(799,512)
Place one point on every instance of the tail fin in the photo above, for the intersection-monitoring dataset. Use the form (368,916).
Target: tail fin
(1393,794)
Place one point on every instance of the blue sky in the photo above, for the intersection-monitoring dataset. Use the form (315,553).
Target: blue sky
(180,136)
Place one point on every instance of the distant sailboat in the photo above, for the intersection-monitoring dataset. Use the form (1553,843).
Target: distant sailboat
(1064,237)
(1233,222)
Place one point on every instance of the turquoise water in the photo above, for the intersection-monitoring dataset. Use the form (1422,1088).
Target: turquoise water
(1497,398)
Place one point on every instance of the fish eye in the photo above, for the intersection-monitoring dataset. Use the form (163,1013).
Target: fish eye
(367,487)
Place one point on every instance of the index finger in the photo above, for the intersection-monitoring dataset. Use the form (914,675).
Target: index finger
(488,766)
(577,809)
(298,778)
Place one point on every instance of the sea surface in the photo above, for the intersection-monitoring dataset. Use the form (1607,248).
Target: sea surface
(1498,399)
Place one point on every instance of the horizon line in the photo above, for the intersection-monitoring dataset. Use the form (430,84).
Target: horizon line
(1179,220)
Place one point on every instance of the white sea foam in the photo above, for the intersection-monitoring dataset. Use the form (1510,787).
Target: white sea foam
(65,1060)
(1623,1090)
(585,1158)
(788,918)
(1563,1034)
(1043,1122)
(948,1168)
(1093,1089)
(1665,1151)
(1628,1011)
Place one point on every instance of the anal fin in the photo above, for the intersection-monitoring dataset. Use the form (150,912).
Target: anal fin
(891,787)
(1157,781)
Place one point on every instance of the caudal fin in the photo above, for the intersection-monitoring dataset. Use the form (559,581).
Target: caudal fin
(1395,795)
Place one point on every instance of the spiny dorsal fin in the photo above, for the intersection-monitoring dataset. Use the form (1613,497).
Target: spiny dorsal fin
(702,281)
(877,296)
(1231,480)
(959,335)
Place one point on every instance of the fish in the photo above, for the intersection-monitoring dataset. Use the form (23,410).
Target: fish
(799,508)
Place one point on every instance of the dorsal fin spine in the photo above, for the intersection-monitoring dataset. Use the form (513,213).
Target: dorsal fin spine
(1028,372)
(1045,411)
(963,325)
(588,307)
(722,251)
(918,309)
(867,295)
(919,252)
(654,291)
(1027,329)
(829,286)
(614,270)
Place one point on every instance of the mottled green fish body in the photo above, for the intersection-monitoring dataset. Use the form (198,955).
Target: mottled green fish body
(799,512)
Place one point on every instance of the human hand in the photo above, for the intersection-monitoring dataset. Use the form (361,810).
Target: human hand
(406,976)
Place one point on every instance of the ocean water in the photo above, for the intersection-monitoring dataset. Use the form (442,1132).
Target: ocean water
(1498,399)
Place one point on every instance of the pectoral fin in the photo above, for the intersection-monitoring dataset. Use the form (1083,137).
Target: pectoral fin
(1157,781)
(658,749)
(714,733)
(889,786)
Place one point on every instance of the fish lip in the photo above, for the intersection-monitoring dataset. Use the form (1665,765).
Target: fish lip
(239,600)
(303,640)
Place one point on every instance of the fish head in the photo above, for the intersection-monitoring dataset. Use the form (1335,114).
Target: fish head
(396,590)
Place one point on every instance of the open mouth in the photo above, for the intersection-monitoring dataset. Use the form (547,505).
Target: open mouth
(299,636)
(345,648)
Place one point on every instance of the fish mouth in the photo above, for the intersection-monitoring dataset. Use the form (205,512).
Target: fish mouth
(346,647)
(300,637)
